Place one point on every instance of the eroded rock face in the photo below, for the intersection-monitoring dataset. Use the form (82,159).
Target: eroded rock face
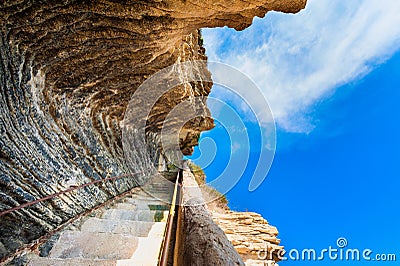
(251,235)
(67,72)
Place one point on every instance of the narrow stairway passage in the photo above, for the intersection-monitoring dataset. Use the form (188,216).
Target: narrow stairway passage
(129,232)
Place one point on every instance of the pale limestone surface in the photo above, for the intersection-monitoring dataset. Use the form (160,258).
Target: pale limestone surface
(250,234)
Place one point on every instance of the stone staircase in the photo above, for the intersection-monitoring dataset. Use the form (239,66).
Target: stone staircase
(129,232)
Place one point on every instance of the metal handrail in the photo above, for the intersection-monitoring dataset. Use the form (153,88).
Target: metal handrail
(72,188)
(168,231)
(176,201)
(33,245)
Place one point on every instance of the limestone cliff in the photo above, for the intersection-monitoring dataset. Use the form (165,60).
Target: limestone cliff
(253,238)
(67,72)
(250,234)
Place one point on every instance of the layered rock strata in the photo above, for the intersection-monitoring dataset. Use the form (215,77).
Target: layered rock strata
(67,73)
(253,238)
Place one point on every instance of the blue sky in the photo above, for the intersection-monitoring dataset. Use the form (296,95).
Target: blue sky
(331,75)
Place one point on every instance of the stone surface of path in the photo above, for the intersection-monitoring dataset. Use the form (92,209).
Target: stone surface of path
(129,232)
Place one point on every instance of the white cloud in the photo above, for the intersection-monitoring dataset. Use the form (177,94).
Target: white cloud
(296,60)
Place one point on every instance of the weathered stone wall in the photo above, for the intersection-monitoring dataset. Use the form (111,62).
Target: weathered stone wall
(253,238)
(204,243)
(67,72)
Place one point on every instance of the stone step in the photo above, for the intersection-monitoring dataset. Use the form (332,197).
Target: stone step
(45,261)
(126,227)
(137,202)
(138,215)
(75,244)
(158,207)
(152,194)
(166,199)
(156,194)
(148,249)
(124,206)
(157,191)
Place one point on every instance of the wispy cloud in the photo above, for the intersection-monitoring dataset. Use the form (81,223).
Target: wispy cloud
(297,60)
